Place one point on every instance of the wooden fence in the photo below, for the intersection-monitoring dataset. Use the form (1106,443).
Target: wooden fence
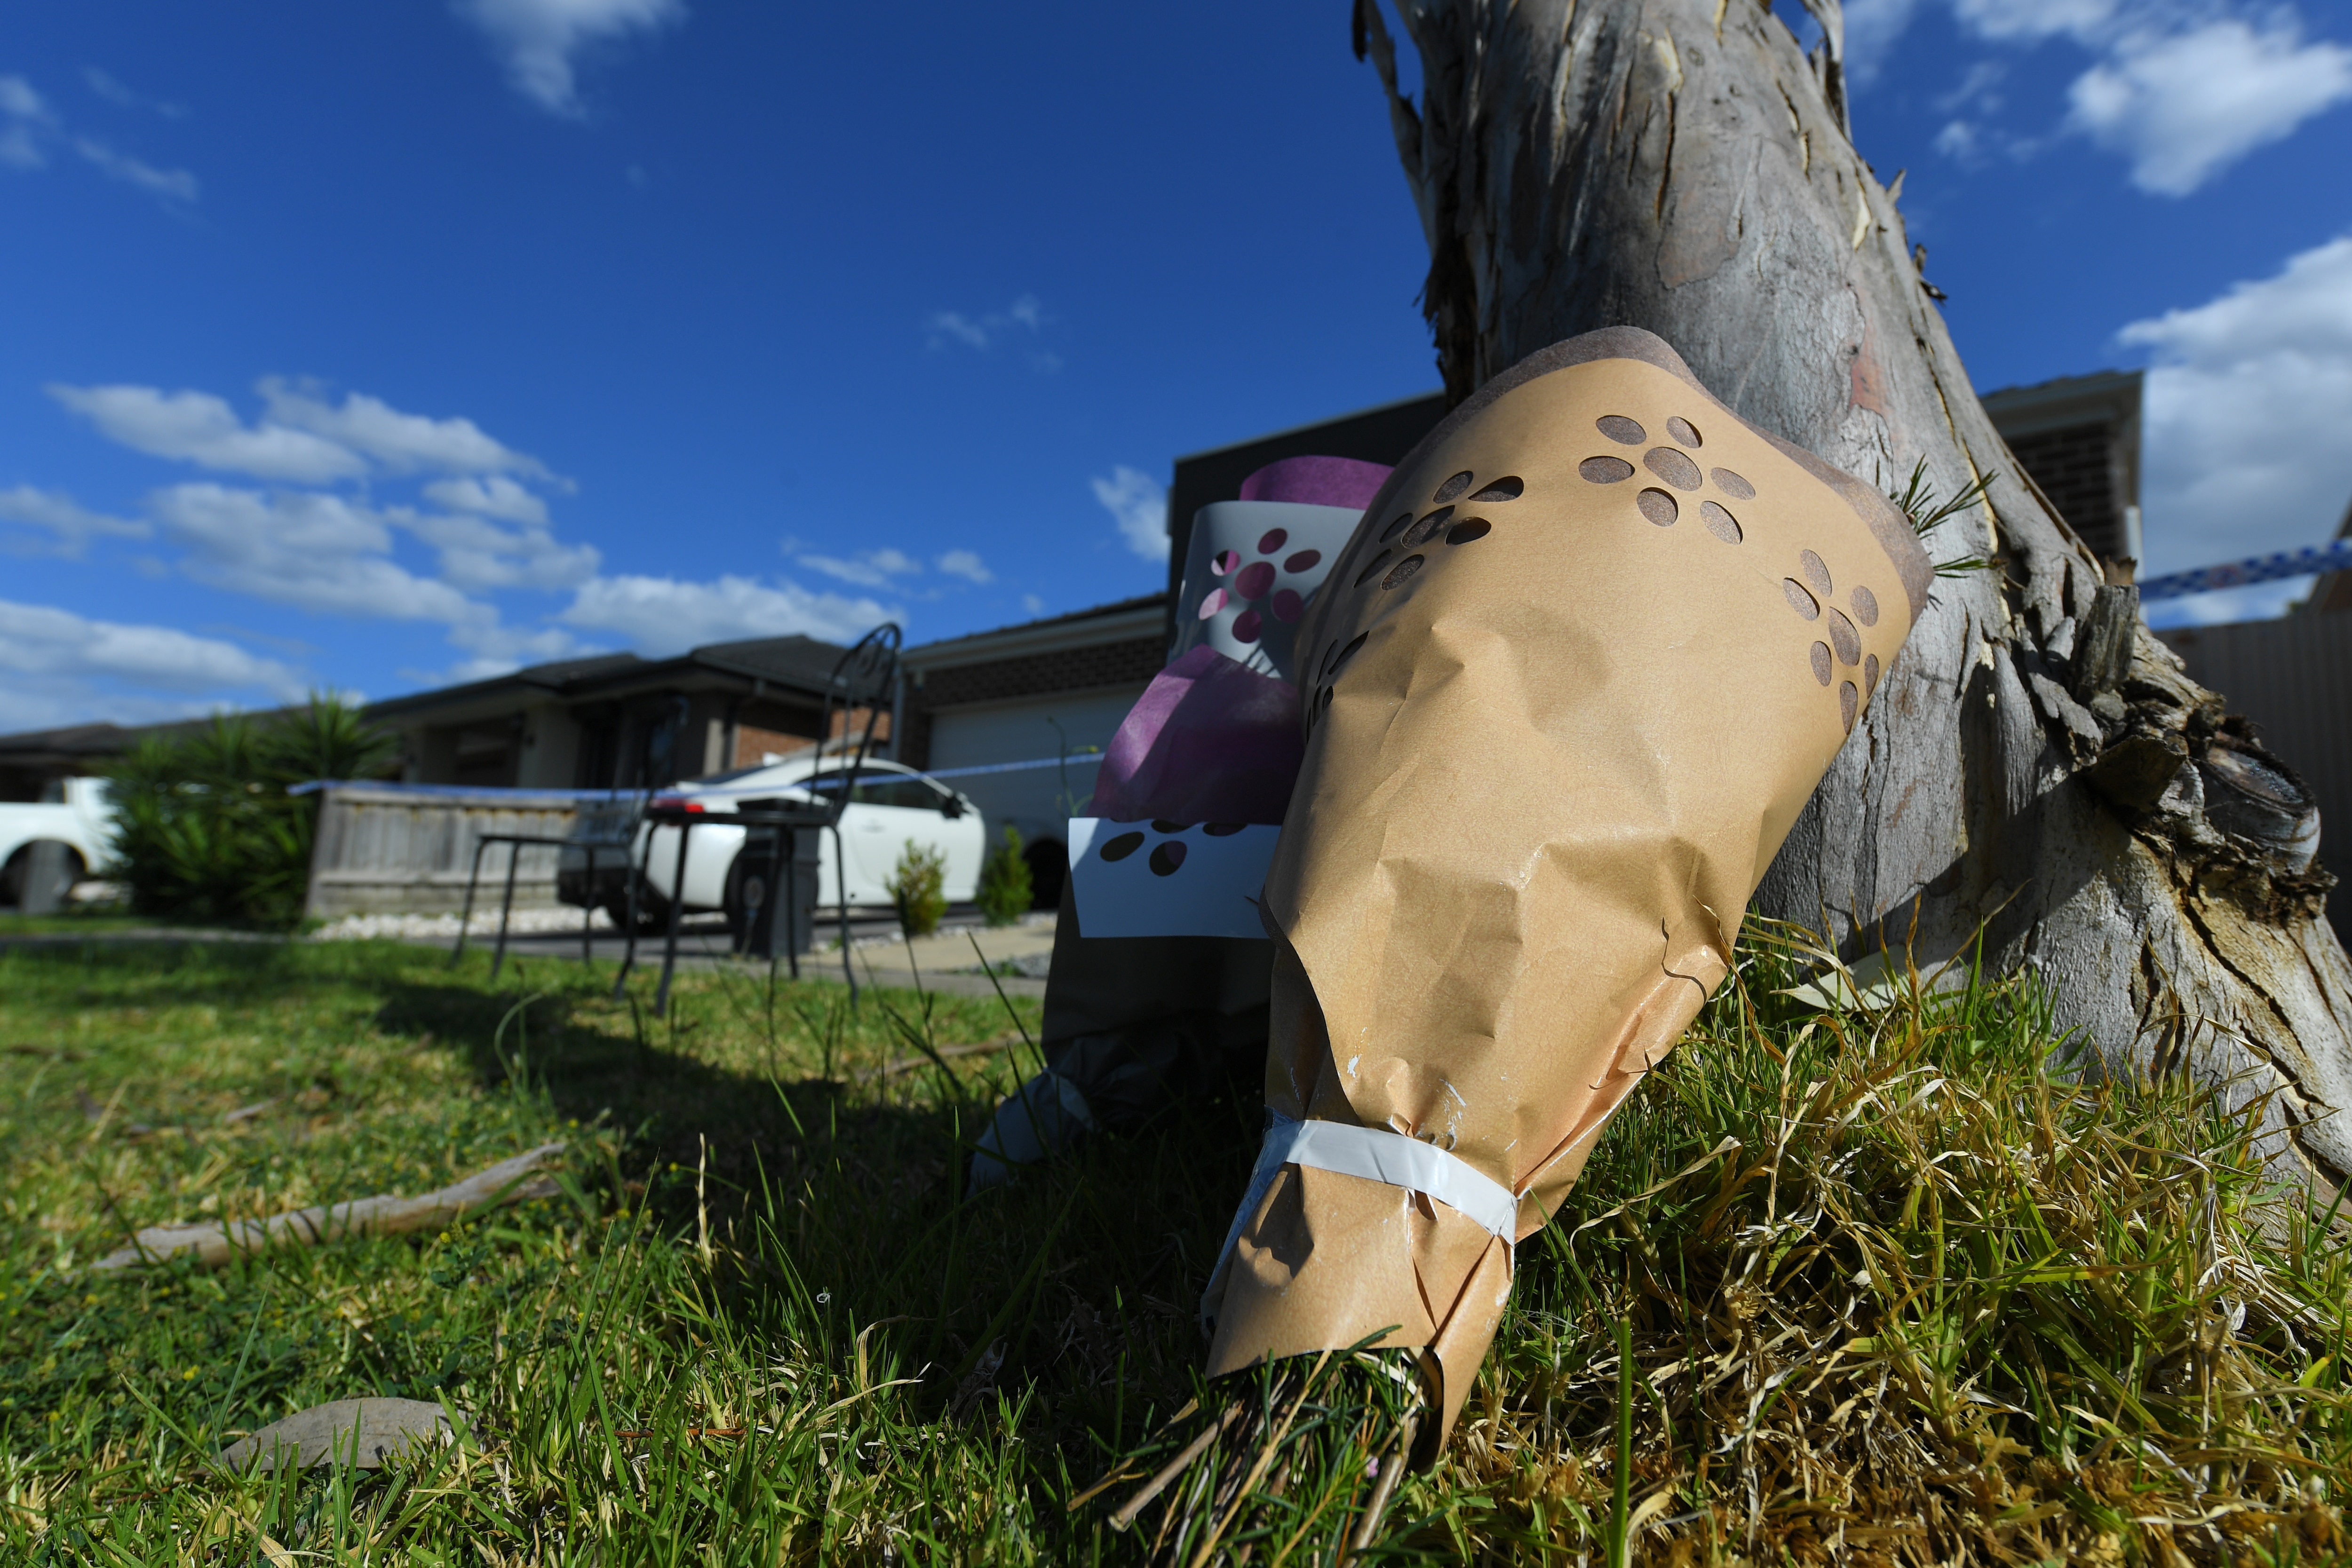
(2293,677)
(385,850)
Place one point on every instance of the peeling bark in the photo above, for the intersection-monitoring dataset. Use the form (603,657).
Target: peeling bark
(2038,767)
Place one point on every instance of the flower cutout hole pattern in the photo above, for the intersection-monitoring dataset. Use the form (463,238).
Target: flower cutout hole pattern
(1410,534)
(1421,531)
(1808,593)
(1403,572)
(1816,572)
(1167,855)
(1845,639)
(1673,467)
(1254,585)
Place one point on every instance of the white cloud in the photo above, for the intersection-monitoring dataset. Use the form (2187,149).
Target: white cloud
(2262,601)
(2181,89)
(303,439)
(477,554)
(871,568)
(27,117)
(317,552)
(954,324)
(498,497)
(43,640)
(498,650)
(541,40)
(19,102)
(979,332)
(664,615)
(2031,20)
(1140,506)
(965,564)
(2183,107)
(105,87)
(1032,605)
(1871,29)
(2244,451)
(66,669)
(174,184)
(73,525)
(399,442)
(29,128)
(199,428)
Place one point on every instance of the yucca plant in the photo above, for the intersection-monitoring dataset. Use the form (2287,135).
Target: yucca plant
(205,829)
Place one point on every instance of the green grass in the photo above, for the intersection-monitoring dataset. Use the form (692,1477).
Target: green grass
(1932,1302)
(88,920)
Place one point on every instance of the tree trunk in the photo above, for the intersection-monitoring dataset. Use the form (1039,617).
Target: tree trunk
(2038,765)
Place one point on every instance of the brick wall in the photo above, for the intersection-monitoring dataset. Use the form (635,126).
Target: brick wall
(752,744)
(1127,663)
(2082,472)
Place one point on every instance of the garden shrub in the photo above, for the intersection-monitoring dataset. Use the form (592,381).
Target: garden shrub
(203,827)
(917,886)
(1006,892)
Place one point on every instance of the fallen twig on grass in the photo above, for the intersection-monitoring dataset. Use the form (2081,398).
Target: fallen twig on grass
(508,1181)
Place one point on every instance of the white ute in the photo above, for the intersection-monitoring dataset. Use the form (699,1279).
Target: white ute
(75,814)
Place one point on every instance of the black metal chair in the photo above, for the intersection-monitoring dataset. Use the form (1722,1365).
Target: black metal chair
(516,843)
(859,690)
(864,683)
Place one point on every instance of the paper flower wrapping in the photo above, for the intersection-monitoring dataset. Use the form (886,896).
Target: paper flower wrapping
(1568,687)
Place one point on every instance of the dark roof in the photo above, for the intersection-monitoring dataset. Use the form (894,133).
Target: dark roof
(799,663)
(802,662)
(551,677)
(73,740)
(795,664)
(1116,607)
(85,742)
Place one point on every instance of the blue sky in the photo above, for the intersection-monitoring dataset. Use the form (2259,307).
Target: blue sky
(379,346)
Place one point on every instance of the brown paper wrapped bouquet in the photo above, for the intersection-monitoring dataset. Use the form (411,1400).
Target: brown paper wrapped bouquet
(1580,669)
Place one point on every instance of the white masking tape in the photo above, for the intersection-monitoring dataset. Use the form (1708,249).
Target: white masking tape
(1376,1154)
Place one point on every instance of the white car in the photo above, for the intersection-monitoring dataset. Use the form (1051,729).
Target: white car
(74,814)
(890,807)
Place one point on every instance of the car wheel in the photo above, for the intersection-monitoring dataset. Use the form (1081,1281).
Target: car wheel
(16,876)
(653,913)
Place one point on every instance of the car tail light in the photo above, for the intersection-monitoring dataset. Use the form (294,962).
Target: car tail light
(678,803)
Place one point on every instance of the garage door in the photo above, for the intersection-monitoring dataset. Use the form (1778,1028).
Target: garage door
(1023,731)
